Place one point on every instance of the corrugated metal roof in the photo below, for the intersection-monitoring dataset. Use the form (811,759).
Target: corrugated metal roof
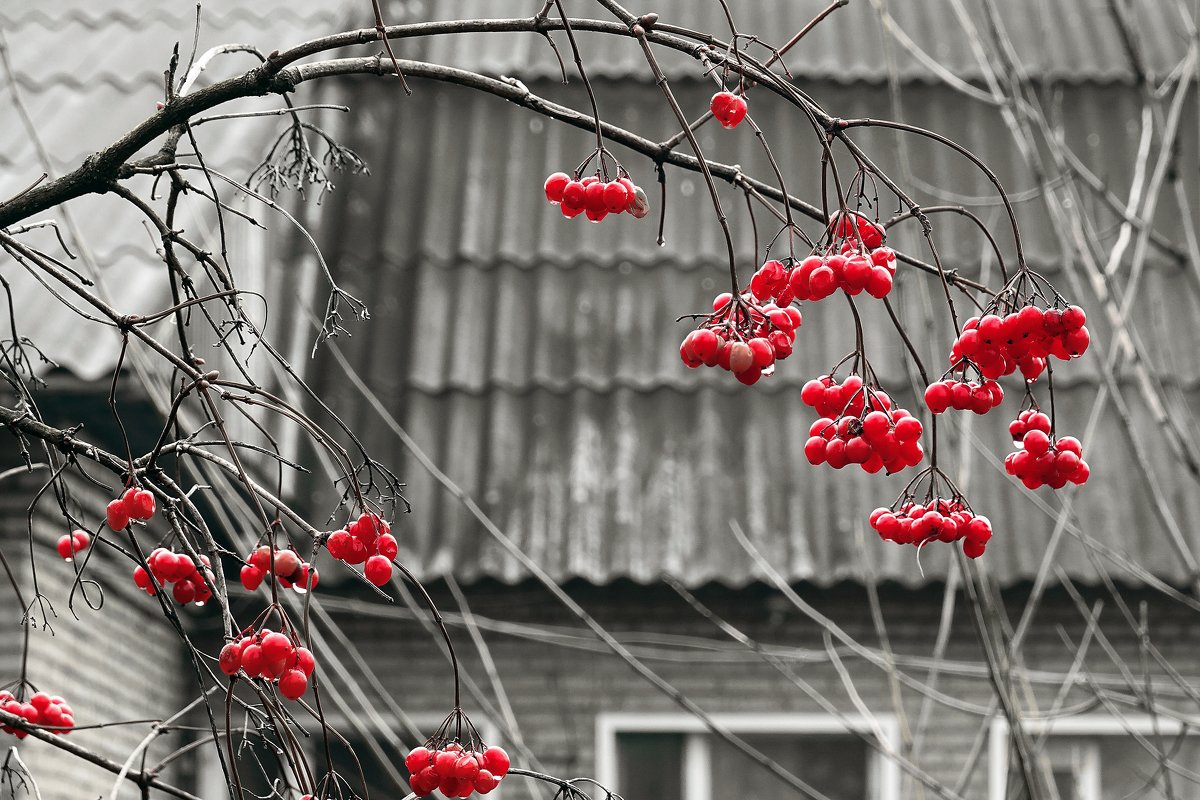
(535,359)
(457,197)
(1071,41)
(103,77)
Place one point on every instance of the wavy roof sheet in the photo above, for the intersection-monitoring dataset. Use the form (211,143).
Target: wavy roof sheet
(535,359)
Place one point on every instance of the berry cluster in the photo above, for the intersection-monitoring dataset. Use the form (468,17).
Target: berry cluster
(742,337)
(273,656)
(1021,340)
(963,396)
(286,567)
(71,544)
(852,270)
(595,197)
(1041,460)
(455,771)
(167,567)
(134,504)
(935,520)
(50,711)
(728,108)
(858,425)
(368,541)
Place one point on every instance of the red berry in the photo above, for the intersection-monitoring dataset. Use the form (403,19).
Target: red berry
(118,518)
(704,345)
(251,577)
(573,195)
(252,659)
(286,564)
(378,570)
(496,761)
(728,108)
(183,592)
(140,504)
(938,397)
(65,547)
(276,646)
(616,197)
(230,659)
(555,185)
(293,684)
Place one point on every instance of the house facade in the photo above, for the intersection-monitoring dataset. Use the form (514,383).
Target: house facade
(584,481)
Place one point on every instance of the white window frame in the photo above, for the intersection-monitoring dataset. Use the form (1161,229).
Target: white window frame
(697,754)
(1083,725)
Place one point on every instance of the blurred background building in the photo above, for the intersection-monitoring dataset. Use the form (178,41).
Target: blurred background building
(533,360)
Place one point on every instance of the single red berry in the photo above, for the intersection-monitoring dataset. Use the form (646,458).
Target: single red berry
(728,109)
(616,197)
(140,505)
(118,517)
(593,198)
(184,592)
(573,195)
(555,185)
(230,659)
(378,570)
(252,659)
(286,564)
(276,646)
(444,761)
(251,577)
(496,761)
(65,547)
(293,684)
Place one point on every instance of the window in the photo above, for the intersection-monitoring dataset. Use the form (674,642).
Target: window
(1092,757)
(674,757)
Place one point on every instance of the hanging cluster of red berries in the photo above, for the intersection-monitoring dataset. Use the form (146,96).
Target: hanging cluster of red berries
(728,108)
(1041,460)
(742,337)
(367,541)
(594,197)
(935,520)
(455,771)
(846,268)
(1000,345)
(135,504)
(189,584)
(271,655)
(858,425)
(49,711)
(72,544)
(286,567)
(963,396)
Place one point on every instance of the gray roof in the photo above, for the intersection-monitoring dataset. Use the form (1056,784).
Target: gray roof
(535,358)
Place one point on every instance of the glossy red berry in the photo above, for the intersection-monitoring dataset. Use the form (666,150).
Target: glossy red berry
(555,185)
(496,761)
(728,109)
(293,684)
(230,659)
(378,570)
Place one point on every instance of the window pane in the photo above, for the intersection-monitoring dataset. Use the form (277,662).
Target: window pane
(650,765)
(834,764)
